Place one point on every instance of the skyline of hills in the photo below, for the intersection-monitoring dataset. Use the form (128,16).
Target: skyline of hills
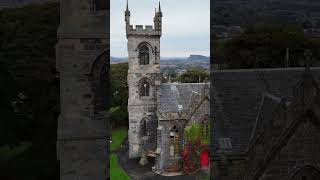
(192,57)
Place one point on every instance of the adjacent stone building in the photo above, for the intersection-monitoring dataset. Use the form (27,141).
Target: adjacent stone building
(82,62)
(266,124)
(158,113)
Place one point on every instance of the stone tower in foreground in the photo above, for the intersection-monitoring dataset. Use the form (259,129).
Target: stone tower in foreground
(82,61)
(144,79)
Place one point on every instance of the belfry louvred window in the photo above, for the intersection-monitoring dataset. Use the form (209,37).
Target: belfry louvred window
(143,54)
(144,87)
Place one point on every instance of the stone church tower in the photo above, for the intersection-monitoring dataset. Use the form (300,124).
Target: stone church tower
(82,61)
(144,79)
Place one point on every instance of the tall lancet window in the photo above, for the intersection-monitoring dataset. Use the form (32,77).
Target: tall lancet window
(143,54)
(144,87)
(205,126)
(144,127)
(174,142)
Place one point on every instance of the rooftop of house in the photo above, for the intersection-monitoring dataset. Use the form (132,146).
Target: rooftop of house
(178,97)
(242,96)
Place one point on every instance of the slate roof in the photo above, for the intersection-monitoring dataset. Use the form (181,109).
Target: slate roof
(175,97)
(237,97)
(268,105)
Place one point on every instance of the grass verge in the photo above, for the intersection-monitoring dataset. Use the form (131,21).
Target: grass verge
(117,138)
(117,173)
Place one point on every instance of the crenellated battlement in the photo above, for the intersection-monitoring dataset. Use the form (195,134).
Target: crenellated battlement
(142,30)
(147,30)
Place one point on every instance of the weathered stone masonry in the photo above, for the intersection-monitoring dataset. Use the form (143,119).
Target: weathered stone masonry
(158,112)
(82,61)
(143,107)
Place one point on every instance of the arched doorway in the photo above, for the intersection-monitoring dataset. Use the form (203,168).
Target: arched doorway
(306,173)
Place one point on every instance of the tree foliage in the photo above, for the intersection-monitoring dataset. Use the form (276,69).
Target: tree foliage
(30,100)
(119,100)
(193,76)
(196,143)
(264,46)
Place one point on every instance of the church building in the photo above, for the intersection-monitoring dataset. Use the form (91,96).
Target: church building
(158,112)
(266,123)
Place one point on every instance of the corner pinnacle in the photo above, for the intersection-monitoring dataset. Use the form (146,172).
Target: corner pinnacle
(127,5)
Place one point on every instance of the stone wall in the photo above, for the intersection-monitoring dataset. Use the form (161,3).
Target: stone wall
(163,161)
(81,54)
(142,107)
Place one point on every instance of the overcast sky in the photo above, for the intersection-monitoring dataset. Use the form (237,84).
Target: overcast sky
(185,25)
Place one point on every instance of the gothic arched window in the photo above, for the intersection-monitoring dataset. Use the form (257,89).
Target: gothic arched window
(144,127)
(143,54)
(144,87)
(174,141)
(205,126)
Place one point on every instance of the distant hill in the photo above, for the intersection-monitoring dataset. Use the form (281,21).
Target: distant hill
(117,60)
(175,63)
(198,57)
(193,58)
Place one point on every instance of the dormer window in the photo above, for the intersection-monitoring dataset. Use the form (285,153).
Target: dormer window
(143,54)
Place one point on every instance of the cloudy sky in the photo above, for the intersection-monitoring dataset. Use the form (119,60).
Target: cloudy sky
(185,23)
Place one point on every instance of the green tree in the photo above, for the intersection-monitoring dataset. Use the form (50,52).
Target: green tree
(27,60)
(264,46)
(193,76)
(119,100)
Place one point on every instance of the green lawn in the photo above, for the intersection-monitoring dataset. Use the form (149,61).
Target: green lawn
(204,179)
(116,172)
(7,152)
(117,137)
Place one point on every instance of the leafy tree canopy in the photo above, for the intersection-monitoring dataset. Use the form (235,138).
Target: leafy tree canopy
(265,46)
(193,76)
(119,89)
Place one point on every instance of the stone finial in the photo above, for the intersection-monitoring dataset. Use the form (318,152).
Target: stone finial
(159,10)
(127,12)
(127,5)
(127,16)
(308,55)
